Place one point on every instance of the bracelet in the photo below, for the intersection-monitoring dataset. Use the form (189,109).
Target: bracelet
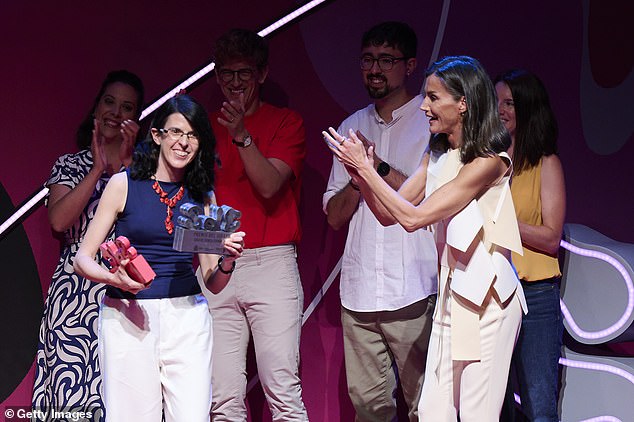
(222,270)
(353,186)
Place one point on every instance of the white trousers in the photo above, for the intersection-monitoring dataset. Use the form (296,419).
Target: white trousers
(155,356)
(473,389)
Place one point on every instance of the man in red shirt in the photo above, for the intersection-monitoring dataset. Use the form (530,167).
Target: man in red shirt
(261,149)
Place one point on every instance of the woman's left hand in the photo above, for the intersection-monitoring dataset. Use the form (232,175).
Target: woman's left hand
(234,245)
(129,131)
(351,151)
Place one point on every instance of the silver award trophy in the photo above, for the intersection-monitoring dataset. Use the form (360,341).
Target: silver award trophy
(197,232)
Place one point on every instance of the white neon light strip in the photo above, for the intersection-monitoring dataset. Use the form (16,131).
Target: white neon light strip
(205,70)
(592,366)
(628,283)
(320,294)
(602,333)
(187,82)
(23,210)
(440,33)
(286,19)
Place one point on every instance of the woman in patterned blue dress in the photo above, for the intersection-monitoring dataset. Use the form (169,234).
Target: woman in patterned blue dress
(67,366)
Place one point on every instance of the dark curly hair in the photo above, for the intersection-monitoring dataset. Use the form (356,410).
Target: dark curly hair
(397,35)
(199,174)
(536,128)
(483,133)
(241,44)
(84,131)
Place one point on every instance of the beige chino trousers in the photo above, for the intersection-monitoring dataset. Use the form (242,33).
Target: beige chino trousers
(376,344)
(264,298)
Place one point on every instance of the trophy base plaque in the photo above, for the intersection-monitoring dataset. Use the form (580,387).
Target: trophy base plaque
(199,241)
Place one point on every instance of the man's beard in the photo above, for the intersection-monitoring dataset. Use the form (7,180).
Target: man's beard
(378,93)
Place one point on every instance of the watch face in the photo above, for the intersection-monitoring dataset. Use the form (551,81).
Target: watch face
(245,142)
(383,169)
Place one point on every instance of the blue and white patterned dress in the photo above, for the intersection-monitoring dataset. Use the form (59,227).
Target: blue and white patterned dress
(67,366)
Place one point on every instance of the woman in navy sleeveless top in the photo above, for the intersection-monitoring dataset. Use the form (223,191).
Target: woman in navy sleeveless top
(155,340)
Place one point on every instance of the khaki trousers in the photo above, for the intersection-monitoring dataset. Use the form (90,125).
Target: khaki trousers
(264,298)
(378,348)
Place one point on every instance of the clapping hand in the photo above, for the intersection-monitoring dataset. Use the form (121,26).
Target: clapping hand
(129,131)
(352,150)
(99,159)
(233,112)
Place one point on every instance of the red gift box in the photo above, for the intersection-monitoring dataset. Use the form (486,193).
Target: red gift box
(137,267)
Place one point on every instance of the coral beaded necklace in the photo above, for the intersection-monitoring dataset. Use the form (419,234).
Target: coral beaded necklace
(170,202)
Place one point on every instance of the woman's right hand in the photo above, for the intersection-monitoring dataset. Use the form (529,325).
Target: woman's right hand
(123,281)
(350,151)
(65,204)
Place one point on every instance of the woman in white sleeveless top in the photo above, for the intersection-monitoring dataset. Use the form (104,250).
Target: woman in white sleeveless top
(461,190)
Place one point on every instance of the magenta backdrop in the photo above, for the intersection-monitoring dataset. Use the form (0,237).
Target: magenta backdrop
(56,53)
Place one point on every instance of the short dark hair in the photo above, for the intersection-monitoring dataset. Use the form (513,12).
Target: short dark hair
(397,35)
(482,130)
(536,128)
(241,44)
(84,131)
(199,174)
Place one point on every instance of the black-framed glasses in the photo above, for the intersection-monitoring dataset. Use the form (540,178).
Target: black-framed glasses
(385,62)
(176,134)
(245,74)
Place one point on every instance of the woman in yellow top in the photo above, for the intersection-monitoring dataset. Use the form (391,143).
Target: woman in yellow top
(540,203)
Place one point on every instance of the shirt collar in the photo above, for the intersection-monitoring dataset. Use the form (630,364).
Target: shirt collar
(398,113)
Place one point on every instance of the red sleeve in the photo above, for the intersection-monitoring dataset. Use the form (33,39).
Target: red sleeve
(289,143)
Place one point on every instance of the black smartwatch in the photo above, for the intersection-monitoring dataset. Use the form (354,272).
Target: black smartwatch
(383,169)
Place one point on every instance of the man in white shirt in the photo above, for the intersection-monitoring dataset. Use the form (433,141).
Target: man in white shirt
(388,277)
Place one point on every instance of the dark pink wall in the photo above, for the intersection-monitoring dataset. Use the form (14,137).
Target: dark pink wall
(54,56)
